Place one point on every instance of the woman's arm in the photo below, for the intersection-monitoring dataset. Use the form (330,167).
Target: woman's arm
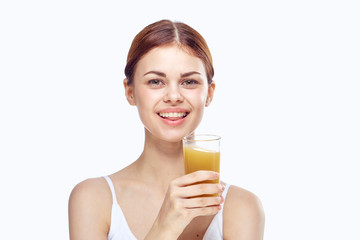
(244,217)
(181,205)
(87,211)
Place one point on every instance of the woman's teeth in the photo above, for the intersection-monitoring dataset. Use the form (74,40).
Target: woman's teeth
(172,114)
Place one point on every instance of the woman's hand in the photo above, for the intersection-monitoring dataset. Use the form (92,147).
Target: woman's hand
(183,203)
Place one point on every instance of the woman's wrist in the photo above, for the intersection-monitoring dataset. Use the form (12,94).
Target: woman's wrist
(160,233)
(159,236)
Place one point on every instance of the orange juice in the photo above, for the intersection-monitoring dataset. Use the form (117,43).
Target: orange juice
(196,158)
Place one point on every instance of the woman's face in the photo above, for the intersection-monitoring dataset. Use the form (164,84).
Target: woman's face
(170,90)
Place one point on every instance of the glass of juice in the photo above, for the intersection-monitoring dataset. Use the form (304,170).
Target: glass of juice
(202,152)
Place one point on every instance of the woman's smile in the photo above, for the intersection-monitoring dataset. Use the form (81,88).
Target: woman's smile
(173,116)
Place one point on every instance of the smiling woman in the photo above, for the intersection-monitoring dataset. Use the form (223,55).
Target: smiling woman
(169,79)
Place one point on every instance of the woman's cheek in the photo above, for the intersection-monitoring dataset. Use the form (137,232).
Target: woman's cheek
(198,98)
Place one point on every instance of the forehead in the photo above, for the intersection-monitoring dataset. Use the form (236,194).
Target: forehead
(170,59)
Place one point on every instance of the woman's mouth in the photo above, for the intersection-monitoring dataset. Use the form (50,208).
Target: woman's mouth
(175,115)
(173,118)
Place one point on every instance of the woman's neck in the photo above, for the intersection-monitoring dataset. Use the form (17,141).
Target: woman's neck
(160,161)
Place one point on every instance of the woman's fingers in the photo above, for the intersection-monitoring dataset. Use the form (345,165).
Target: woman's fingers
(189,197)
(198,176)
(205,211)
(201,202)
(192,185)
(201,189)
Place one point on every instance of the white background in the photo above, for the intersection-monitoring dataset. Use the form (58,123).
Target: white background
(287,106)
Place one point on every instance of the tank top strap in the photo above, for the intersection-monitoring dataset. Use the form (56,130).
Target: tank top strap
(111,185)
(227,186)
(215,229)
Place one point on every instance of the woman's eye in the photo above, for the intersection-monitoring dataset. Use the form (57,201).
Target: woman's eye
(155,82)
(190,82)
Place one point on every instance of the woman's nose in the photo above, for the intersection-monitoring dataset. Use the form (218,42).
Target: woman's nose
(173,94)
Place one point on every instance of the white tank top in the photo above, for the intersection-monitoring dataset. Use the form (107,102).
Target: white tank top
(120,230)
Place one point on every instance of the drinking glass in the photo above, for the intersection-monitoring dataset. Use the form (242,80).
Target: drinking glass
(202,152)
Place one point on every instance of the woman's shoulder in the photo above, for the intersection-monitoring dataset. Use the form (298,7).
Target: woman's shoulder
(90,205)
(245,197)
(91,189)
(243,214)
(97,190)
(92,193)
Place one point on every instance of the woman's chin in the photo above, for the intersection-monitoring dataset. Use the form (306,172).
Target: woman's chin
(172,139)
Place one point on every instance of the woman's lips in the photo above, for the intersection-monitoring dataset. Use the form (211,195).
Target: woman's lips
(173,116)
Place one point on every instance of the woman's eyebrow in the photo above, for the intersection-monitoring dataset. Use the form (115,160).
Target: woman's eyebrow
(183,75)
(189,74)
(161,74)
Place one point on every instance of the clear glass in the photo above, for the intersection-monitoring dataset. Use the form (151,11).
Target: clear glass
(202,152)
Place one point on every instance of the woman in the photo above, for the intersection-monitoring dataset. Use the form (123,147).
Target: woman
(169,79)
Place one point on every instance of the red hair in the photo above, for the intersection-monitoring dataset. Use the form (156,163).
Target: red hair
(166,32)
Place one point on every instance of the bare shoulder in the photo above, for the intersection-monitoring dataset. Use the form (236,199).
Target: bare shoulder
(244,200)
(90,208)
(243,215)
(91,188)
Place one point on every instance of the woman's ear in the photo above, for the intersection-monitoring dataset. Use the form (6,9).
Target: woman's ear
(210,94)
(129,92)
